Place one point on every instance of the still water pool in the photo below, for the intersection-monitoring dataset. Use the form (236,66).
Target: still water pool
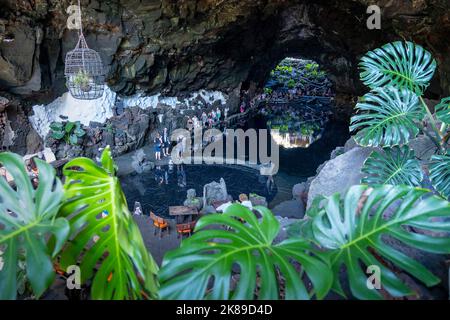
(167,185)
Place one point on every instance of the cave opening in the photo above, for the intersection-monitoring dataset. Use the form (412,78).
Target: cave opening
(295,77)
(299,97)
(296,105)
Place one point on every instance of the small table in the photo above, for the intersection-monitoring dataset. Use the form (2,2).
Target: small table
(182,211)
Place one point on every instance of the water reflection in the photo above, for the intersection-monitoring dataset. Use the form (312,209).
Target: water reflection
(296,135)
(181,176)
(290,140)
(295,126)
(166,186)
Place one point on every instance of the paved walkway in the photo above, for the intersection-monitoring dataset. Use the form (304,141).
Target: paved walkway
(155,245)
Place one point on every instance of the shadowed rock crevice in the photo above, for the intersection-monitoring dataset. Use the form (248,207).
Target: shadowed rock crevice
(174,47)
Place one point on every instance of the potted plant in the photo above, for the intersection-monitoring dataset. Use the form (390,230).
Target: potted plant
(83,81)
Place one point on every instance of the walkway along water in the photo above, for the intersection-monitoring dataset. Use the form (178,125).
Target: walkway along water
(234,119)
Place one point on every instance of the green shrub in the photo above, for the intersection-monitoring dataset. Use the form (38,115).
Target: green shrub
(70,132)
(393,113)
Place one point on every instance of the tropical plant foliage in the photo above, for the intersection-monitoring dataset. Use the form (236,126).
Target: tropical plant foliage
(236,255)
(68,131)
(386,117)
(230,256)
(443,110)
(212,253)
(398,64)
(27,217)
(440,174)
(354,231)
(394,112)
(393,166)
(82,79)
(104,236)
(296,73)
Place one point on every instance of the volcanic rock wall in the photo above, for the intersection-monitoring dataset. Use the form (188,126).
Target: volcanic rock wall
(173,47)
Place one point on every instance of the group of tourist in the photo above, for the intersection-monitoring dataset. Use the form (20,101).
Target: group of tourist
(215,117)
(162,144)
(248,102)
(162,141)
(207,120)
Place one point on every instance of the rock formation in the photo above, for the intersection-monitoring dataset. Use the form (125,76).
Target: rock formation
(344,169)
(140,162)
(173,47)
(192,200)
(214,192)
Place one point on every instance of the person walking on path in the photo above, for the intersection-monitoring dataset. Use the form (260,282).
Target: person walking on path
(158,146)
(166,142)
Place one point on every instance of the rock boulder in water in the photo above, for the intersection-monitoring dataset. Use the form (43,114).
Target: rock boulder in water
(215,192)
(192,200)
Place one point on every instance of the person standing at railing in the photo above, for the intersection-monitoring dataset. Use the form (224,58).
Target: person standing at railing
(165,142)
(218,114)
(213,116)
(158,146)
(204,119)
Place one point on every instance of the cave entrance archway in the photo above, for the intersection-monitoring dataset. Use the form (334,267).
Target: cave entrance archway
(297,102)
(295,77)
(300,121)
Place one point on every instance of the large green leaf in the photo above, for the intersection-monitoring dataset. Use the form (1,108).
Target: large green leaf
(79,132)
(392,166)
(440,174)
(69,126)
(398,64)
(57,126)
(387,117)
(443,110)
(57,135)
(73,139)
(354,231)
(27,216)
(110,242)
(203,266)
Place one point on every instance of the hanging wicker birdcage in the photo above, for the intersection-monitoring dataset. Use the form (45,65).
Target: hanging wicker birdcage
(84,71)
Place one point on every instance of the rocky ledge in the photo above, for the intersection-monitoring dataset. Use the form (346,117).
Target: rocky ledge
(164,46)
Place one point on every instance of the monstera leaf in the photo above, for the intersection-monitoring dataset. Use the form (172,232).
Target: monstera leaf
(443,110)
(386,117)
(203,266)
(104,235)
(399,64)
(394,166)
(27,217)
(70,126)
(440,174)
(354,231)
